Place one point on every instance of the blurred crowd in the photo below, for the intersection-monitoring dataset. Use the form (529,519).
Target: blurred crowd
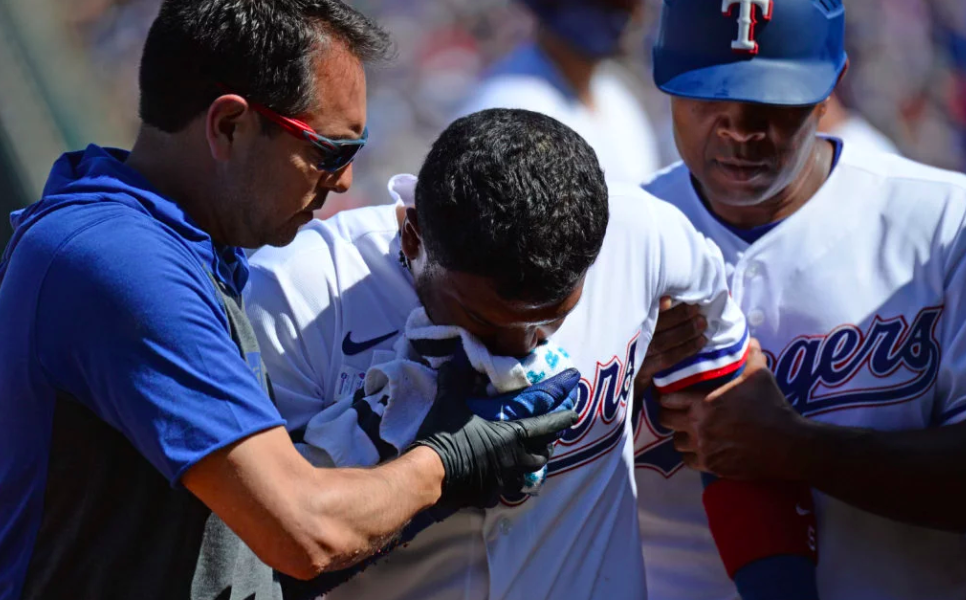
(907,74)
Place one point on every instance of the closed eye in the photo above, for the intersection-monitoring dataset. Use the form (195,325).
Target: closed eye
(478,319)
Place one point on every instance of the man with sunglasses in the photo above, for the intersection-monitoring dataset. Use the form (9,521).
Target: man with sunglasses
(333,155)
(133,399)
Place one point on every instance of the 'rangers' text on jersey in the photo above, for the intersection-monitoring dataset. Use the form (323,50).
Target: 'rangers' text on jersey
(857,300)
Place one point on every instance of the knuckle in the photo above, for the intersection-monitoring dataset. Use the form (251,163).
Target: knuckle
(660,362)
(689,460)
(679,353)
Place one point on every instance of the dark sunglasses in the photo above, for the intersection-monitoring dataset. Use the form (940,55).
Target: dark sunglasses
(336,154)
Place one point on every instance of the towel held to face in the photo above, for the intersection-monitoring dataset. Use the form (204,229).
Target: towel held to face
(385,414)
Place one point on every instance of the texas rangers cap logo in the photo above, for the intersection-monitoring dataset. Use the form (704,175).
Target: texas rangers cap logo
(746,21)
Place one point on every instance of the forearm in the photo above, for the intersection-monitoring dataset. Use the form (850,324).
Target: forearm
(917,477)
(356,512)
(301,520)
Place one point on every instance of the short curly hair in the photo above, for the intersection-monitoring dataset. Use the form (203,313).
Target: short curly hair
(514,196)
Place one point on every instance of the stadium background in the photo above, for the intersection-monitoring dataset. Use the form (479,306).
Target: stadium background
(68,76)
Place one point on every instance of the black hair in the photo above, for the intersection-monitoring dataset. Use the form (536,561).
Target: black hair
(261,49)
(514,196)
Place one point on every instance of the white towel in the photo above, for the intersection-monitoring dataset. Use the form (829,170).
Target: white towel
(399,393)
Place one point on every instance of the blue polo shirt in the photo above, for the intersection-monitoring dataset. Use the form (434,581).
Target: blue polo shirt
(120,368)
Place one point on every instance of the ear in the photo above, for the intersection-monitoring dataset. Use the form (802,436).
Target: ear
(412,241)
(845,70)
(227,117)
(824,105)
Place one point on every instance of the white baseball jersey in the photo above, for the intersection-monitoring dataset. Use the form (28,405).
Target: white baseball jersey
(858,302)
(617,128)
(333,302)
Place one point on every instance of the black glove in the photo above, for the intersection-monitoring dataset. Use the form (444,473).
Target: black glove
(481,458)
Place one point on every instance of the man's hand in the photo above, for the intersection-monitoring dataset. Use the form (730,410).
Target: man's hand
(483,459)
(743,430)
(679,334)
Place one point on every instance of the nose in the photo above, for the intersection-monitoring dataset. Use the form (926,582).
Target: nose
(338,181)
(519,343)
(741,123)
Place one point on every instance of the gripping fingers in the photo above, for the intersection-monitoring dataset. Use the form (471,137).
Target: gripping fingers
(560,386)
(682,400)
(679,335)
(683,443)
(674,317)
(676,420)
(543,440)
(672,347)
(691,461)
(533,461)
(539,428)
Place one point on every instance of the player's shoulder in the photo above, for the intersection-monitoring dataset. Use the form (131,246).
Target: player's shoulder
(107,254)
(670,184)
(857,131)
(898,171)
(104,239)
(917,199)
(636,209)
(660,192)
(65,220)
(323,249)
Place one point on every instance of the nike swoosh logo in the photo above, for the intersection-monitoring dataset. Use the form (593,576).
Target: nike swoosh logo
(351,348)
(801,511)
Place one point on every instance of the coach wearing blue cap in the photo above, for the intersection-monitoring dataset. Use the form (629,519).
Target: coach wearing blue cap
(850,266)
(133,399)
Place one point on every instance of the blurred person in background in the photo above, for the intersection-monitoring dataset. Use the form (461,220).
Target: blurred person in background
(564,72)
(141,453)
(905,63)
(852,128)
(914,97)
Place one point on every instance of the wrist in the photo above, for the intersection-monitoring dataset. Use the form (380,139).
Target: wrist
(803,449)
(430,473)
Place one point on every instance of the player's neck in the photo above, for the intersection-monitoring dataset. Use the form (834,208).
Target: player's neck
(784,204)
(577,69)
(161,159)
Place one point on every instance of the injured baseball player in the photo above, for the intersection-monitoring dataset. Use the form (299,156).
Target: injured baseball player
(488,253)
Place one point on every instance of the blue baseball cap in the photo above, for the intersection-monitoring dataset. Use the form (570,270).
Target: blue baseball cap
(783,52)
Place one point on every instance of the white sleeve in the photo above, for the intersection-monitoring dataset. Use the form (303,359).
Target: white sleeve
(293,314)
(692,271)
(951,381)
